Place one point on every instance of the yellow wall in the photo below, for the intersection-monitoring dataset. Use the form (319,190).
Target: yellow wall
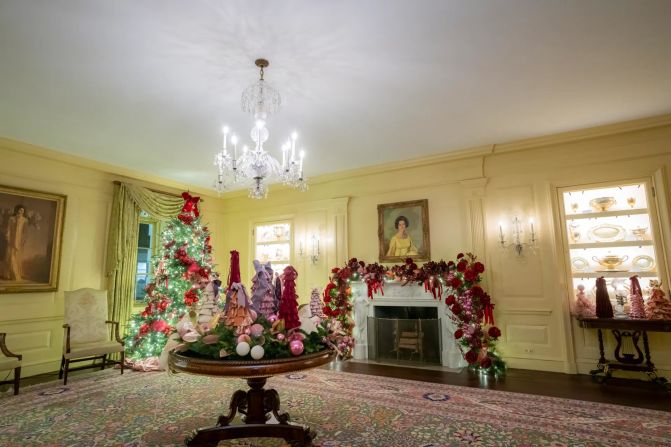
(468,194)
(33,320)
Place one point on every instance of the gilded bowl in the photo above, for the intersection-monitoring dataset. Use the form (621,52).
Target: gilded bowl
(602,203)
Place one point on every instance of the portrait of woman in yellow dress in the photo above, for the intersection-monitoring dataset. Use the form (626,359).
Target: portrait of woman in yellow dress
(403,231)
(401,244)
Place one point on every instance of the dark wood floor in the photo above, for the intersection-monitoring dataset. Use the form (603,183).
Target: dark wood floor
(635,393)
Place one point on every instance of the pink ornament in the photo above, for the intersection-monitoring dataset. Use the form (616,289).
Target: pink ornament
(256,330)
(280,337)
(296,347)
(296,336)
(244,337)
(272,318)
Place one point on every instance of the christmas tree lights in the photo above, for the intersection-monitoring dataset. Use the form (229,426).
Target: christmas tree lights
(181,270)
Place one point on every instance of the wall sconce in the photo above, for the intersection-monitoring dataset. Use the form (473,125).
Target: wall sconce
(517,241)
(314,249)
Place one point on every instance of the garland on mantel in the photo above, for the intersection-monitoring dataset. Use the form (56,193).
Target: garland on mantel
(471,308)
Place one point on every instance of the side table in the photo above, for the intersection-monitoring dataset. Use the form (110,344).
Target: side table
(627,329)
(257,403)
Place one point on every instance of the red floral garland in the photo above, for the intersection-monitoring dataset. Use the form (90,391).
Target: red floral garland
(470,306)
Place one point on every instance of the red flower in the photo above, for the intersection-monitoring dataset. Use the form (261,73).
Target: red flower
(455,283)
(408,261)
(462,266)
(456,308)
(460,255)
(458,334)
(470,275)
(477,291)
(471,357)
(144,328)
(327,299)
(486,362)
(335,270)
(494,332)
(479,267)
(327,311)
(450,300)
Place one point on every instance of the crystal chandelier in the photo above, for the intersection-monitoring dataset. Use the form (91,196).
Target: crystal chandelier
(256,167)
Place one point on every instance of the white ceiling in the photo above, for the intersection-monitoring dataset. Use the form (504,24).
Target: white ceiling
(148,84)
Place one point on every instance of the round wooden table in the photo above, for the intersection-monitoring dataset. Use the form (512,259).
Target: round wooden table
(256,404)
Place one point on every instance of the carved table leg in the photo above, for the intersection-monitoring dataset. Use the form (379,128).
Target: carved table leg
(255,404)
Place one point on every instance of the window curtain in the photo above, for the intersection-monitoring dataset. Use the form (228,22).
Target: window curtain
(121,262)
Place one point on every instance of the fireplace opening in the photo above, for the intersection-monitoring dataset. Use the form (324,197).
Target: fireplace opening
(404,335)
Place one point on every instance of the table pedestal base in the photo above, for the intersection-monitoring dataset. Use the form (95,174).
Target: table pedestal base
(256,405)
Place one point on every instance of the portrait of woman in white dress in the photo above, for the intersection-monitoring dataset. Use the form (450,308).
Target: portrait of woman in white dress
(15,237)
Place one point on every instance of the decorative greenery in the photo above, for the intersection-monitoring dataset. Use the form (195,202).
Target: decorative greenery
(471,308)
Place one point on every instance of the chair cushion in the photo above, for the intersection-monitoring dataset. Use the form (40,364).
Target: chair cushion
(86,312)
(92,349)
(9,363)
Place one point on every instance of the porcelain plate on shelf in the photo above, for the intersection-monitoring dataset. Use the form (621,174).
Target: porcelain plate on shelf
(643,263)
(606,233)
(579,264)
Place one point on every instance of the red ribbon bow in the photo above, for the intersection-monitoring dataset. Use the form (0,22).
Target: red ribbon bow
(190,204)
(489,313)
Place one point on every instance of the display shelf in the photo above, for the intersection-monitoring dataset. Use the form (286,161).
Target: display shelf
(610,244)
(598,214)
(612,274)
(282,241)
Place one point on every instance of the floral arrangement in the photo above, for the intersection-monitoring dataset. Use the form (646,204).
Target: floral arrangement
(471,307)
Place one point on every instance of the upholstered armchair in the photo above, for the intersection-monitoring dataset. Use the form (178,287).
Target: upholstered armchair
(87,335)
(8,362)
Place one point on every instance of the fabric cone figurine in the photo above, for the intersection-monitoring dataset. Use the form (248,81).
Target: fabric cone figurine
(208,307)
(263,297)
(583,306)
(636,309)
(657,307)
(289,304)
(604,309)
(238,312)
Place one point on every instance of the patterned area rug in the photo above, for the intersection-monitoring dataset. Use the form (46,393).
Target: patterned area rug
(345,409)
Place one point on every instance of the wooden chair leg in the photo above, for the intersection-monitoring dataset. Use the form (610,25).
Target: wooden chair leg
(65,372)
(104,361)
(123,360)
(17,378)
(60,371)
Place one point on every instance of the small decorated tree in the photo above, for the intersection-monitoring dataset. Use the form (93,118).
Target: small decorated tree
(657,307)
(316,304)
(289,305)
(181,270)
(583,306)
(637,309)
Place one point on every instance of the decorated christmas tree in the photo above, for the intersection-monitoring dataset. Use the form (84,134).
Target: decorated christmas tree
(637,309)
(181,271)
(604,309)
(316,304)
(657,307)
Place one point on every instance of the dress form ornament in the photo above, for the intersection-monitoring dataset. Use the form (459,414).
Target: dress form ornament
(637,307)
(604,309)
(657,307)
(289,304)
(584,307)
(263,298)
(238,312)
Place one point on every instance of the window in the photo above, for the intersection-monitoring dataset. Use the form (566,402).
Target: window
(146,246)
(272,242)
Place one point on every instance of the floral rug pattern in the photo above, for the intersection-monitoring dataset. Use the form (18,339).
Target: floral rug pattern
(158,409)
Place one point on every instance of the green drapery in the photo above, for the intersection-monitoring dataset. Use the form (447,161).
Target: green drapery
(121,262)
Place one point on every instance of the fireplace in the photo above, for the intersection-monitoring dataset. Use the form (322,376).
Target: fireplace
(406,326)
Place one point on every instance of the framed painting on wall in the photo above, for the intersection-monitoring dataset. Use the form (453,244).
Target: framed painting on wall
(31,228)
(403,231)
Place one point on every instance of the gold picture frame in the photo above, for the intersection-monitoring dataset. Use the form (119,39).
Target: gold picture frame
(412,239)
(31,231)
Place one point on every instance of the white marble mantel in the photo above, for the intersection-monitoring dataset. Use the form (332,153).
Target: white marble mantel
(396,294)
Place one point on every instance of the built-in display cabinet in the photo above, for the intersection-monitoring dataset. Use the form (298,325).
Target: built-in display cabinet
(273,242)
(610,231)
